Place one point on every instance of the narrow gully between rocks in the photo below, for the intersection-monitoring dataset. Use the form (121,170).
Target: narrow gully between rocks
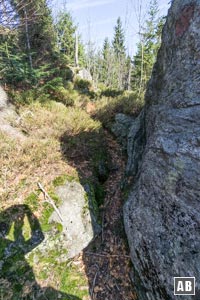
(107,259)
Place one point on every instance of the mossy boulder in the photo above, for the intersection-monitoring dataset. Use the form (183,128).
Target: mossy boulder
(79,214)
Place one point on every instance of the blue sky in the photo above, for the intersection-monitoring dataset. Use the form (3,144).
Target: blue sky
(97,18)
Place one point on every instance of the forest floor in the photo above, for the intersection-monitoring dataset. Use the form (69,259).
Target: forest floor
(108,268)
(103,270)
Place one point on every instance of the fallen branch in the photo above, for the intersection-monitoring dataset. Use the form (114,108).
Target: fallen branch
(102,228)
(94,281)
(23,115)
(106,255)
(49,200)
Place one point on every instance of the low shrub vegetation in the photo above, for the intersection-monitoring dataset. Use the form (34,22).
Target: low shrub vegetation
(107,107)
(82,85)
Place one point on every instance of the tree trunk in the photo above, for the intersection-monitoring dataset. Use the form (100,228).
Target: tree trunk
(28,40)
(142,69)
(129,77)
(76,50)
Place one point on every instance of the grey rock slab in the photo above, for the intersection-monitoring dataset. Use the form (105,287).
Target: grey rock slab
(84,74)
(162,214)
(12,132)
(129,131)
(8,115)
(3,98)
(135,144)
(121,127)
(79,223)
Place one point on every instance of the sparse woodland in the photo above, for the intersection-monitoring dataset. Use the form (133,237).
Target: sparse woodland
(36,49)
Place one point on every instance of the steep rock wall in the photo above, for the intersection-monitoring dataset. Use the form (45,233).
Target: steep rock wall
(162,214)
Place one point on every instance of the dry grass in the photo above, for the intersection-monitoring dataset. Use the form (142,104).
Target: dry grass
(38,157)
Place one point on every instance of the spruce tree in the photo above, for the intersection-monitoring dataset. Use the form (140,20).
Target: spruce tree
(66,30)
(120,55)
(67,37)
(106,48)
(36,31)
(29,40)
(119,39)
(105,62)
(147,48)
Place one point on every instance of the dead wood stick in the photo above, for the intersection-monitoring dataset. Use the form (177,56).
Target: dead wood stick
(102,228)
(107,255)
(94,281)
(23,115)
(48,199)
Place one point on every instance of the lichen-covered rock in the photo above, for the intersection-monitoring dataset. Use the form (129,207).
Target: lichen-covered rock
(79,218)
(135,144)
(8,115)
(3,98)
(162,214)
(130,133)
(121,127)
(84,74)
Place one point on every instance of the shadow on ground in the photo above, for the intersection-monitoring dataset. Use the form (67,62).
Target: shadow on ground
(17,279)
(99,160)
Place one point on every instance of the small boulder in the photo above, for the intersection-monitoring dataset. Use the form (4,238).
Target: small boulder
(8,113)
(3,99)
(79,220)
(84,74)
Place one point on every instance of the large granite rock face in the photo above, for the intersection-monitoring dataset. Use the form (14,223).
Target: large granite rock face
(162,214)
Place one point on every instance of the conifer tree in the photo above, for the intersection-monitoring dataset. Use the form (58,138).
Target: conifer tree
(29,25)
(106,48)
(32,18)
(67,37)
(147,48)
(119,39)
(120,55)
(66,30)
(36,31)
(105,63)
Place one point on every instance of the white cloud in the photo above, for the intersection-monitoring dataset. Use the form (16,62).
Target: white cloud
(77,4)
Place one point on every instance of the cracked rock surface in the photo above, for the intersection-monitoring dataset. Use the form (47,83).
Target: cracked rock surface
(162,214)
